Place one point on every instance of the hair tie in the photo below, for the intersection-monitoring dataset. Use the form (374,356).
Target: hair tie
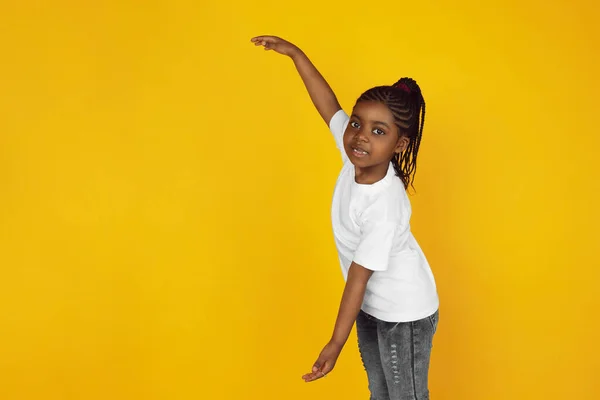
(403,86)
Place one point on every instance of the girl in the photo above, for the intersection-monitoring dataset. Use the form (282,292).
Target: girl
(390,291)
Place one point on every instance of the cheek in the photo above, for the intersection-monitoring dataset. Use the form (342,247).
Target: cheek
(348,136)
(387,146)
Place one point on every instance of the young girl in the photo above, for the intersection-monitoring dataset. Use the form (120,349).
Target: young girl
(390,290)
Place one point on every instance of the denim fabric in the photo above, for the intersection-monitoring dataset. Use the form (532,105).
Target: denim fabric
(396,356)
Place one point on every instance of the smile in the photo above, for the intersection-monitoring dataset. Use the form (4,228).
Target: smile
(359,152)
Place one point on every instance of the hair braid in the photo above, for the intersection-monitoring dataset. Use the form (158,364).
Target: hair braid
(405,101)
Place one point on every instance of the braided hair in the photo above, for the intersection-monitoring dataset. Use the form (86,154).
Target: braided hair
(406,103)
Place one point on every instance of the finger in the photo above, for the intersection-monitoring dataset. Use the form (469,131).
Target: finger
(313,376)
(324,369)
(317,365)
(264,38)
(310,377)
(317,372)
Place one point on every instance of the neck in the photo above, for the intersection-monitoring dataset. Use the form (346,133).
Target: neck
(370,175)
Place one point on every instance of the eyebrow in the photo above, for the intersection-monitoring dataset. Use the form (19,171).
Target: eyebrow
(376,122)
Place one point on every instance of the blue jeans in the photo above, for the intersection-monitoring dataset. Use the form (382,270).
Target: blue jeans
(396,356)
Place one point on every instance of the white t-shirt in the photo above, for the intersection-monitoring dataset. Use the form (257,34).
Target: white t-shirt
(371,226)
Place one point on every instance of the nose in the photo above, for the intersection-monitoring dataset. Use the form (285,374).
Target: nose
(361,136)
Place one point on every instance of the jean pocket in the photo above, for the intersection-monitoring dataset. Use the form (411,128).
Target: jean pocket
(433,319)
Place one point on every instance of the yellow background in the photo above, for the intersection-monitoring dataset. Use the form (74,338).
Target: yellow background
(165,193)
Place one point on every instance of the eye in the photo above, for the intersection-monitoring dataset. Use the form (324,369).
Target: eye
(354,124)
(378,131)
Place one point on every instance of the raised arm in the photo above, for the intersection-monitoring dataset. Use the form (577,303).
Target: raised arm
(318,89)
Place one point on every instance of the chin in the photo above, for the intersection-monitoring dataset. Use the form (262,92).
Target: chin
(359,162)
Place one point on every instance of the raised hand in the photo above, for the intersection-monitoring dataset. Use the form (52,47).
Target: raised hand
(318,89)
(277,44)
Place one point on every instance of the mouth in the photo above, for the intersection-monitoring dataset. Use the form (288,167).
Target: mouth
(358,152)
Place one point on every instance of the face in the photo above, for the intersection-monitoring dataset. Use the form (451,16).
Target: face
(372,137)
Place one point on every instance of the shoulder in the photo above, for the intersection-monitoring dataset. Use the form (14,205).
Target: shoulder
(391,204)
(338,119)
(338,123)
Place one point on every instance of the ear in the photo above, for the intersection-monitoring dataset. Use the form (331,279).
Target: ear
(402,144)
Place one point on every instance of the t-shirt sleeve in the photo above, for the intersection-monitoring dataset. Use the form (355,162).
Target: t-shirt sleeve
(337,126)
(375,247)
